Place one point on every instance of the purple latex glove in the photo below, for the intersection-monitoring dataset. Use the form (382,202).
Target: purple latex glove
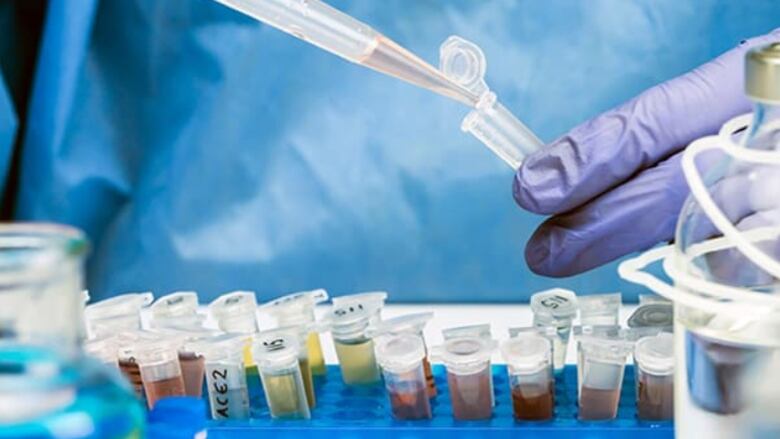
(614,184)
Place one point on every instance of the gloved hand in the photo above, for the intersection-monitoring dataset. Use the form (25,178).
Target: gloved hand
(614,184)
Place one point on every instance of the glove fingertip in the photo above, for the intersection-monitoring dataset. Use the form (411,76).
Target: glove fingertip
(541,258)
(531,198)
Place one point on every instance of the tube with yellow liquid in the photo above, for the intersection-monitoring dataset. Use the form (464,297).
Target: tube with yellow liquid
(297,309)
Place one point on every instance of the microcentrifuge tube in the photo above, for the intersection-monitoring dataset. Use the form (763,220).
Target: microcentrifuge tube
(467,360)
(654,368)
(601,364)
(225,375)
(277,360)
(556,308)
(301,333)
(529,364)
(401,359)
(408,324)
(160,370)
(236,313)
(355,350)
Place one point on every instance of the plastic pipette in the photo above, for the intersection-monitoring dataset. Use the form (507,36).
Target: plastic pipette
(461,76)
(338,33)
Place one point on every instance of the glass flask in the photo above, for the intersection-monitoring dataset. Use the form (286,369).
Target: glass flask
(48,388)
(734,180)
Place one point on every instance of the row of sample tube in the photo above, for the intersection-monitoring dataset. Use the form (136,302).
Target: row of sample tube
(175,351)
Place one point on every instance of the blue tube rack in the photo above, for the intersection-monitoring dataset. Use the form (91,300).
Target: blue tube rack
(346,412)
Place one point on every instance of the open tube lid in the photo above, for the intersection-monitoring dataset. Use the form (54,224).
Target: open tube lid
(296,307)
(124,304)
(409,323)
(176,304)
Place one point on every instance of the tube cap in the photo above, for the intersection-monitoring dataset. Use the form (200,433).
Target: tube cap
(275,349)
(527,352)
(372,301)
(556,303)
(409,323)
(235,312)
(655,354)
(349,319)
(399,353)
(480,331)
(124,304)
(762,73)
(177,304)
(652,315)
(465,353)
(296,307)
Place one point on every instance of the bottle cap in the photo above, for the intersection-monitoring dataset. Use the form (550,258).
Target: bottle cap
(235,312)
(409,323)
(401,352)
(652,315)
(762,73)
(554,304)
(295,308)
(467,354)
(275,349)
(480,331)
(180,304)
(527,353)
(655,354)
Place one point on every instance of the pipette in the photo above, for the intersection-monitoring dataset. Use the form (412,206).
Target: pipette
(460,77)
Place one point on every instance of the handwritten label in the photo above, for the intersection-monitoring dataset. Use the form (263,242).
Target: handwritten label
(219,386)
(554,302)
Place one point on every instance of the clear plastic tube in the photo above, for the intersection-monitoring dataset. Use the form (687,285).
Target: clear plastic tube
(556,308)
(469,376)
(297,309)
(225,375)
(601,366)
(277,360)
(401,357)
(160,370)
(531,381)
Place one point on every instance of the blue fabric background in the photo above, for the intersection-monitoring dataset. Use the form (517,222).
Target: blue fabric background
(203,150)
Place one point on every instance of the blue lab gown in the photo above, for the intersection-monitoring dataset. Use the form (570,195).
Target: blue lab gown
(202,150)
